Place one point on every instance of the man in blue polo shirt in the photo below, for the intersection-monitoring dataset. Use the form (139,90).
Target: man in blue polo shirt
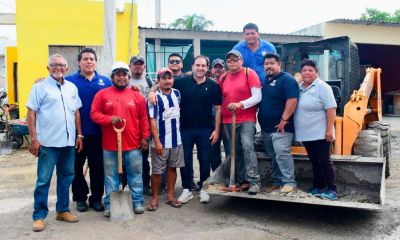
(253,50)
(89,82)
(280,93)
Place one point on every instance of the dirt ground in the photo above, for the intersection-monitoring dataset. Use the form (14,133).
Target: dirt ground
(222,218)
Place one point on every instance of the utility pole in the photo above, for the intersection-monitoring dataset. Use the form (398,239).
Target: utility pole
(108,54)
(158,13)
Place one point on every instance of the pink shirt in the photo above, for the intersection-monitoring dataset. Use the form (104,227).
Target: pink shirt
(235,88)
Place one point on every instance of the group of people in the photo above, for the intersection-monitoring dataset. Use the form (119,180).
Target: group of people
(74,118)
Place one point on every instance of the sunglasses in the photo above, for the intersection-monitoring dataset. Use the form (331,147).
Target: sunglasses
(231,60)
(174,61)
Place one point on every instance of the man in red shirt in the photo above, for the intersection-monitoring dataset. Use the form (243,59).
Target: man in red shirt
(111,106)
(241,92)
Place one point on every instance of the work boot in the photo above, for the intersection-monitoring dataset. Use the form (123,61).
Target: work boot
(254,189)
(81,206)
(106,213)
(287,189)
(66,217)
(272,188)
(138,209)
(97,206)
(38,225)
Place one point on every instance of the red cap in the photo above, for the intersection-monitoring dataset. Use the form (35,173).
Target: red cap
(161,73)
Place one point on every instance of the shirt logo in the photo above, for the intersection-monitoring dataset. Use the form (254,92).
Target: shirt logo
(131,103)
(264,52)
(101,82)
(273,83)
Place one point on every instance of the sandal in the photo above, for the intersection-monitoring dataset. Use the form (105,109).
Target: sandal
(151,207)
(174,203)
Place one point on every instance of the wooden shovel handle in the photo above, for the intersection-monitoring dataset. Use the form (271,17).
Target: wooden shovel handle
(119,143)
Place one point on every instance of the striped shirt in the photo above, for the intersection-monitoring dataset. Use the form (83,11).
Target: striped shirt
(167,113)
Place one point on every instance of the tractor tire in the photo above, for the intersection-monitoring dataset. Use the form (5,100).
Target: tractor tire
(368,144)
(259,143)
(384,129)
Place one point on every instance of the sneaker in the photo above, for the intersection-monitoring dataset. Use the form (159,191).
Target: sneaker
(204,197)
(254,189)
(106,213)
(329,195)
(81,206)
(287,189)
(272,188)
(38,225)
(138,209)
(66,217)
(97,206)
(314,191)
(185,196)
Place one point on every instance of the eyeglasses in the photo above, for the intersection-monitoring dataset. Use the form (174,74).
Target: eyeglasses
(231,60)
(56,65)
(174,61)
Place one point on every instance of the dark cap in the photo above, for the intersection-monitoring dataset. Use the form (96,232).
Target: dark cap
(136,58)
(218,61)
(235,53)
(163,71)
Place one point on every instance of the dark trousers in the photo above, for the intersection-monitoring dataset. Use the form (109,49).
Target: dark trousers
(94,153)
(200,137)
(215,152)
(324,173)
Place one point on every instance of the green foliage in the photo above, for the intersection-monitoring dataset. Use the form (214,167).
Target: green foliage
(192,22)
(372,14)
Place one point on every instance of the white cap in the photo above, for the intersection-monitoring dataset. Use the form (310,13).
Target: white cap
(118,66)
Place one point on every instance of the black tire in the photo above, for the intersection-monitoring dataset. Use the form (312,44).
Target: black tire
(368,144)
(383,128)
(17,141)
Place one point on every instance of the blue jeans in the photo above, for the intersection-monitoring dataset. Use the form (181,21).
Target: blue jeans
(200,137)
(246,158)
(278,146)
(49,157)
(132,163)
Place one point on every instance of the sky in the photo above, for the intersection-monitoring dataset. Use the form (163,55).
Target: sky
(280,16)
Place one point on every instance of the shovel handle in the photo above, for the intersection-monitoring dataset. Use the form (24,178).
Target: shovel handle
(119,143)
(232,181)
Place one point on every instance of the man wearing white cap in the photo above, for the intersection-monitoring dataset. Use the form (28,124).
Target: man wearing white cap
(113,106)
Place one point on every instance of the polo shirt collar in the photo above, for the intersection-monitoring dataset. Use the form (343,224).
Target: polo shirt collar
(54,82)
(95,77)
(314,83)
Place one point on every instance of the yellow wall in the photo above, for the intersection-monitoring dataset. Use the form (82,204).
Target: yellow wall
(11,58)
(363,33)
(41,23)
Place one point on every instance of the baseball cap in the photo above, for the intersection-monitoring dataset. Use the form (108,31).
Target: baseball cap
(235,53)
(136,58)
(218,61)
(161,73)
(119,66)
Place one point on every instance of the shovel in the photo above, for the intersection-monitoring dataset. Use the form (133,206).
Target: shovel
(232,181)
(121,202)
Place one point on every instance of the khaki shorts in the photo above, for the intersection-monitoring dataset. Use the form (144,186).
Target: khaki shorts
(172,156)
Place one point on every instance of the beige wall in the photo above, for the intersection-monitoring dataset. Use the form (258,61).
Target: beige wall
(363,33)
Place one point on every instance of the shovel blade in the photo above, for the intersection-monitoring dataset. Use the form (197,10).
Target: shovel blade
(121,206)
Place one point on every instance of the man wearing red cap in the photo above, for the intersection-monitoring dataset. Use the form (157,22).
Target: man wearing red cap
(113,106)
(166,145)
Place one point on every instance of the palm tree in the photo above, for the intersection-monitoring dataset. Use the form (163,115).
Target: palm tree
(192,22)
